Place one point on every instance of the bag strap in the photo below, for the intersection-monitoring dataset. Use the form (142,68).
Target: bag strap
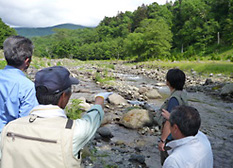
(69,124)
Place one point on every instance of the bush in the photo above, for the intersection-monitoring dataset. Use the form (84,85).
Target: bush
(215,57)
(230,57)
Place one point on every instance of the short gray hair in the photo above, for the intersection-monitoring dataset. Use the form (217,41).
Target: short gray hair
(17,49)
(187,119)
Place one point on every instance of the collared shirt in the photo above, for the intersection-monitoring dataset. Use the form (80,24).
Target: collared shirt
(190,152)
(173,102)
(85,127)
(17,95)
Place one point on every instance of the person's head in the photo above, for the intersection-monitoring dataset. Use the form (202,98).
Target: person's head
(184,121)
(18,51)
(175,78)
(53,86)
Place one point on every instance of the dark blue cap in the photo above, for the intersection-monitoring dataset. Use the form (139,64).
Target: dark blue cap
(54,79)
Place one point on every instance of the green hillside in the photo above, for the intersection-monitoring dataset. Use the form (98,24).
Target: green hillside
(44,31)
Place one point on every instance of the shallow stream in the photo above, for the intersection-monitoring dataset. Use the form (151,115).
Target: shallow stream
(217,124)
(216,115)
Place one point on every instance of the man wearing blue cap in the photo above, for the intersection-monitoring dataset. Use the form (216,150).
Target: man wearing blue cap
(47,138)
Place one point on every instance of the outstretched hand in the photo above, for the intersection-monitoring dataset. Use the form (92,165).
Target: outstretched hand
(165,114)
(104,95)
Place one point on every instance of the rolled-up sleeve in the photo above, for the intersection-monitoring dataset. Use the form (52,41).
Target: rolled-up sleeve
(86,127)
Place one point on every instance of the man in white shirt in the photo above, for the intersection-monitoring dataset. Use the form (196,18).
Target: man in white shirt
(191,148)
(47,138)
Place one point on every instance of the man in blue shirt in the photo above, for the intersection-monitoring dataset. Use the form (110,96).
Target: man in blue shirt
(17,92)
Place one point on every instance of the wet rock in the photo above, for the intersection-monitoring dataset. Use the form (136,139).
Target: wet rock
(97,137)
(137,158)
(136,118)
(105,132)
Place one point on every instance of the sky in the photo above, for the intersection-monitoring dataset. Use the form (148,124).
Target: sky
(44,13)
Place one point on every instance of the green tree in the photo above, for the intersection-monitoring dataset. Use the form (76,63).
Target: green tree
(139,15)
(114,27)
(156,11)
(134,45)
(5,31)
(228,26)
(195,24)
(151,40)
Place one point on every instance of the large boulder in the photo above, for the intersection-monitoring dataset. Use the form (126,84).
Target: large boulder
(153,94)
(136,118)
(117,99)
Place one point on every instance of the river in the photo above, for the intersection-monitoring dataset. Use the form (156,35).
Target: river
(217,124)
(216,116)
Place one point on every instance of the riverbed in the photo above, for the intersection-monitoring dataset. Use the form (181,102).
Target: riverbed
(127,144)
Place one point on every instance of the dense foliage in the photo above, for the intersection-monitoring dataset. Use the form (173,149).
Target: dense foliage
(185,29)
(5,31)
(140,35)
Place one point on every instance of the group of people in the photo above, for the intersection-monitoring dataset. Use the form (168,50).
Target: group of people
(181,144)
(35,131)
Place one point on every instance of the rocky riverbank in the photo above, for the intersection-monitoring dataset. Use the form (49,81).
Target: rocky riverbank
(128,135)
(217,85)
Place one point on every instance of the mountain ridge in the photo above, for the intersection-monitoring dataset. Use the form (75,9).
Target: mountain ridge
(44,31)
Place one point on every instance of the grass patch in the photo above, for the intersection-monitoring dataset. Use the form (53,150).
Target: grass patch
(204,67)
(103,78)
(104,65)
(2,64)
(39,62)
(74,111)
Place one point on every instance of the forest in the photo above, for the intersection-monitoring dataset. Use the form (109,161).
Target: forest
(183,30)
